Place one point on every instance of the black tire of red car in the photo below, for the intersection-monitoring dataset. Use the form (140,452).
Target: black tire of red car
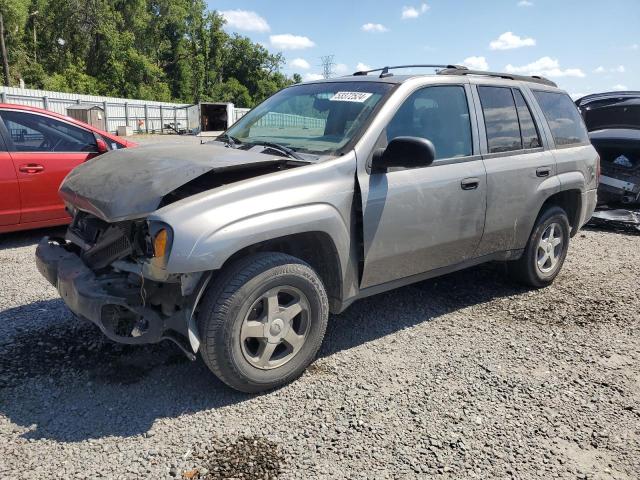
(527,269)
(235,301)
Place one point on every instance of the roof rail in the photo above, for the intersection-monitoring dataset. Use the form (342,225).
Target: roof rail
(465,71)
(385,70)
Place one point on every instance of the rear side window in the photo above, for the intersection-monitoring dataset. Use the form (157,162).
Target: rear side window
(500,118)
(528,131)
(563,117)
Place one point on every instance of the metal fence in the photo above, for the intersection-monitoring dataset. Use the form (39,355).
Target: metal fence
(140,115)
(284,120)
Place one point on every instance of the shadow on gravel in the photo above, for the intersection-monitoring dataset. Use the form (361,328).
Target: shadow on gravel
(383,314)
(69,383)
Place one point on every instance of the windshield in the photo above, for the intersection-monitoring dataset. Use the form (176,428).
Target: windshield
(319,118)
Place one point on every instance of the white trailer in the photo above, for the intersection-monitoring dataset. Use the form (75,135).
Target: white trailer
(210,119)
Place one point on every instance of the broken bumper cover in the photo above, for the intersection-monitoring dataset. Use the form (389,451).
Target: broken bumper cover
(84,293)
(618,219)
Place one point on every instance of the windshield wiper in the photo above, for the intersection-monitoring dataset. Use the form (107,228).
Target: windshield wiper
(289,152)
(231,141)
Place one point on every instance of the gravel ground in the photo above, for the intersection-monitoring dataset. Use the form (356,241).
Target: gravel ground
(465,376)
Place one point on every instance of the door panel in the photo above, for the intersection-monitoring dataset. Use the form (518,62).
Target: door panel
(421,219)
(43,151)
(521,172)
(9,191)
(514,195)
(39,185)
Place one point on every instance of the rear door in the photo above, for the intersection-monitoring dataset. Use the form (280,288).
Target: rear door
(9,191)
(43,151)
(521,171)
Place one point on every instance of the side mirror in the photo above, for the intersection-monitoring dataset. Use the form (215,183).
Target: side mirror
(102,145)
(407,152)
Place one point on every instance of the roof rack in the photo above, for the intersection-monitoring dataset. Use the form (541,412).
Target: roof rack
(465,71)
(385,70)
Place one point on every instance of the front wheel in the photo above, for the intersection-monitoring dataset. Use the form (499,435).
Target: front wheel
(263,321)
(545,252)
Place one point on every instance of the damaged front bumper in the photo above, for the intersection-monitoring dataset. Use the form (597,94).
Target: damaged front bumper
(114,301)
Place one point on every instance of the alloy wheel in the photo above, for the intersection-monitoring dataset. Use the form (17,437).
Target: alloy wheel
(549,248)
(275,327)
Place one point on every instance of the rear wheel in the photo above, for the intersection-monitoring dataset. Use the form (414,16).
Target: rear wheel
(263,321)
(546,250)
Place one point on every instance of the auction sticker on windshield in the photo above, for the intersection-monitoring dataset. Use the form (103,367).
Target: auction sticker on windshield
(358,97)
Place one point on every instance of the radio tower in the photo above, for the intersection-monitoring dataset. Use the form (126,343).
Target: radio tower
(327,66)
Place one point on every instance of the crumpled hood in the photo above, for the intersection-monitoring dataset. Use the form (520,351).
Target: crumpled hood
(130,183)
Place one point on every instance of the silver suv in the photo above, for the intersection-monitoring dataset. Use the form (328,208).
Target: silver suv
(326,193)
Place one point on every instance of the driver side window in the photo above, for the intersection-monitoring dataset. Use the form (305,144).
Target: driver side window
(439,114)
(31,132)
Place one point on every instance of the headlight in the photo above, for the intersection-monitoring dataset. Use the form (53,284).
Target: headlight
(161,239)
(160,243)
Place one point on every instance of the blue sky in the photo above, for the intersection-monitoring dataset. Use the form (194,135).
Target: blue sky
(585,46)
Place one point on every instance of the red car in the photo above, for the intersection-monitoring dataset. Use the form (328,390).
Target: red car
(37,150)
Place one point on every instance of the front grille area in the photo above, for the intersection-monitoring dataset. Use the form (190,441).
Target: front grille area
(103,243)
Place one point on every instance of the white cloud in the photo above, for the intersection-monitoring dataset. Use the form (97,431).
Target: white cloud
(414,12)
(245,20)
(620,87)
(300,63)
(547,67)
(635,46)
(374,28)
(525,3)
(576,96)
(618,69)
(360,67)
(310,77)
(476,63)
(341,69)
(509,41)
(287,41)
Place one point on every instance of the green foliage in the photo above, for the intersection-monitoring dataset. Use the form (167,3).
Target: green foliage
(148,49)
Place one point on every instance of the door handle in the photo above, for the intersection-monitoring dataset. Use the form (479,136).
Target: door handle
(470,183)
(543,172)
(31,168)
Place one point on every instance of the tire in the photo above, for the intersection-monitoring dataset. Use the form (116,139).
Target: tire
(528,269)
(240,322)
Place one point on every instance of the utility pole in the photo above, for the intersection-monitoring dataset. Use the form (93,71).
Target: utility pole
(35,38)
(5,60)
(327,66)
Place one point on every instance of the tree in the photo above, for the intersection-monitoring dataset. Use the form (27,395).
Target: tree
(148,49)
